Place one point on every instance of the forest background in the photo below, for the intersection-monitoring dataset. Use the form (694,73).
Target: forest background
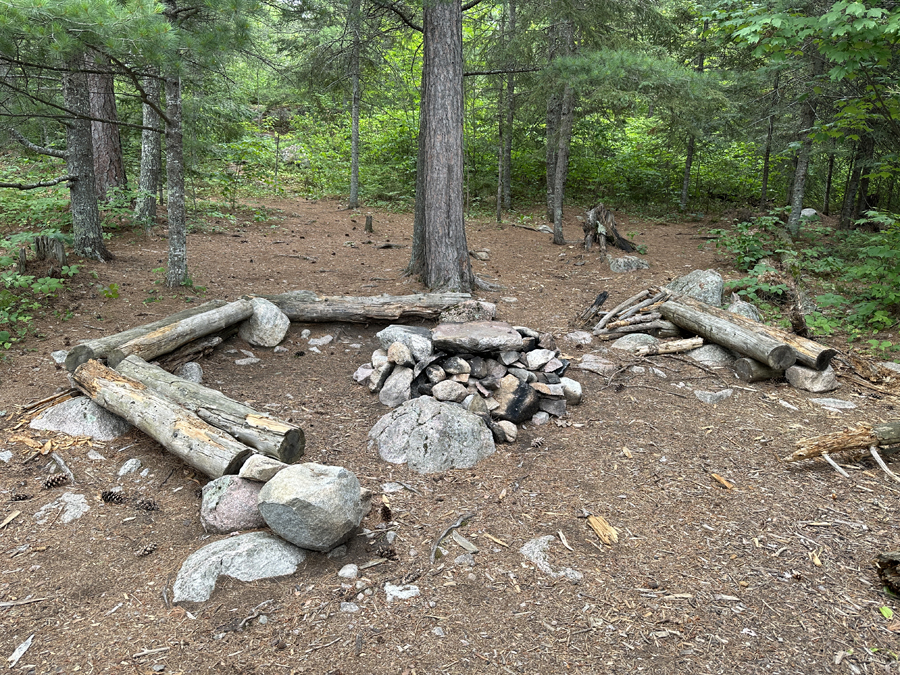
(666,108)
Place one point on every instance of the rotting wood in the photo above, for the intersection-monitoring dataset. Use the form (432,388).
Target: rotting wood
(611,314)
(645,304)
(747,340)
(599,226)
(851,438)
(750,370)
(588,315)
(282,440)
(645,317)
(100,348)
(306,306)
(606,532)
(673,347)
(172,336)
(198,444)
(807,352)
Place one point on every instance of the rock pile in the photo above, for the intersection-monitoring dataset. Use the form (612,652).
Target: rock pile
(499,372)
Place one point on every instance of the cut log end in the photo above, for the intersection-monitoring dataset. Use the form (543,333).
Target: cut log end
(78,355)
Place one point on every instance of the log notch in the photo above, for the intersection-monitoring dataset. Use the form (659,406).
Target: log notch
(100,348)
(751,370)
(172,336)
(306,306)
(808,352)
(858,438)
(281,440)
(747,340)
(182,433)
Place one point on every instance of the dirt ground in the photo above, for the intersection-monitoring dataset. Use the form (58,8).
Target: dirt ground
(771,576)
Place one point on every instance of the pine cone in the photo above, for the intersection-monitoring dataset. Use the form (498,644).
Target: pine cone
(148,549)
(537,442)
(19,497)
(888,565)
(386,514)
(146,505)
(55,480)
(113,497)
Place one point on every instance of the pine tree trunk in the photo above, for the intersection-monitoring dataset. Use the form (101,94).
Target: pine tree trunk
(764,191)
(86,227)
(554,113)
(807,120)
(447,264)
(416,266)
(855,172)
(109,165)
(828,178)
(567,119)
(355,19)
(151,143)
(686,181)
(510,114)
(176,274)
(868,154)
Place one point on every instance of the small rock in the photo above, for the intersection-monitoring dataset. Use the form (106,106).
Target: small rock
(349,571)
(95,456)
(80,416)
(418,339)
(454,365)
(554,365)
(72,505)
(363,373)
(280,350)
(190,371)
(597,364)
(449,390)
(400,354)
(510,431)
(438,631)
(435,373)
(404,592)
(631,342)
(465,559)
(538,358)
(305,333)
(509,299)
(518,401)
(571,390)
(554,407)
(260,468)
(540,418)
(579,337)
(59,356)
(229,505)
(833,403)
(337,552)
(713,397)
(246,362)
(626,263)
(321,341)
(809,379)
(809,213)
(396,389)
(745,309)
(349,607)
(130,466)
(380,375)
(379,358)
(5,456)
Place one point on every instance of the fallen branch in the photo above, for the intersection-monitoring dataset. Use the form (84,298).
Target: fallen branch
(884,467)
(16,603)
(670,347)
(851,438)
(34,186)
(618,308)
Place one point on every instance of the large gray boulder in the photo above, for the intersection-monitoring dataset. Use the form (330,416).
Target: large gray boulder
(632,342)
(703,285)
(714,356)
(418,339)
(476,337)
(246,557)
(430,436)
(626,263)
(312,505)
(229,505)
(816,381)
(746,309)
(81,417)
(267,326)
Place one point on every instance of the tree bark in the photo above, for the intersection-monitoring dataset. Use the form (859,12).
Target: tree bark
(355,19)
(764,190)
(447,265)
(826,207)
(182,433)
(280,440)
(751,370)
(510,116)
(686,181)
(151,145)
(807,121)
(176,272)
(862,200)
(101,347)
(86,227)
(307,307)
(168,338)
(854,173)
(858,438)
(566,121)
(416,266)
(109,164)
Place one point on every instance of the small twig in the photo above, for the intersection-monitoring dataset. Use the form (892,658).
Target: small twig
(148,652)
(835,465)
(318,647)
(458,523)
(255,612)
(874,452)
(62,465)
(16,603)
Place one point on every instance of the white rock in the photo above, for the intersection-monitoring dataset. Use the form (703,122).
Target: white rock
(349,571)
(95,456)
(809,379)
(81,417)
(536,551)
(266,327)
(632,342)
(5,456)
(538,358)
(571,390)
(579,337)
(246,362)
(418,339)
(597,364)
(349,607)
(449,390)
(59,356)
(396,389)
(510,430)
(833,403)
(540,418)
(713,397)
(379,358)
(321,341)
(404,592)
(73,506)
(363,373)
(130,466)
(260,468)
(712,355)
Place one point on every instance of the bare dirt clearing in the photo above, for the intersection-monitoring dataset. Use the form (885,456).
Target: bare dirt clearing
(773,575)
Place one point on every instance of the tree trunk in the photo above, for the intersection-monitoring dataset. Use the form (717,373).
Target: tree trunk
(566,121)
(355,19)
(865,166)
(510,101)
(280,440)
(101,347)
(847,220)
(163,340)
(151,144)
(176,273)
(686,181)
(109,165)
(416,266)
(447,265)
(554,114)
(86,227)
(826,207)
(307,307)
(807,121)
(182,433)
(764,190)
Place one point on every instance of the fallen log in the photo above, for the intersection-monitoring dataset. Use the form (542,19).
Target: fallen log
(100,348)
(747,340)
(168,338)
(306,306)
(751,370)
(808,352)
(673,347)
(182,433)
(275,438)
(195,349)
(851,438)
(659,328)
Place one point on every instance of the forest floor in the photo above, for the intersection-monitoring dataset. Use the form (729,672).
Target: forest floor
(774,575)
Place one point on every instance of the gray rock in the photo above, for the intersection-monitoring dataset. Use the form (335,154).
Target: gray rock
(809,213)
(418,339)
(404,592)
(552,365)
(548,390)
(453,365)
(379,358)
(713,397)
(553,407)
(260,468)
(396,389)
(890,365)
(312,505)
(321,341)
(59,356)
(578,337)
(469,310)
(571,390)
(703,285)
(833,403)
(379,376)
(815,381)
(714,356)
(536,551)
(68,507)
(538,358)
(540,418)
(249,361)
(632,342)
(518,401)
(349,571)
(626,263)
(478,367)
(525,375)
(267,326)
(131,466)
(246,557)
(509,357)
(435,373)
(476,405)
(400,354)
(597,364)
(349,607)
(449,390)
(190,371)
(81,417)
(510,431)
(476,337)
(363,373)
(229,505)
(5,456)
(305,333)
(431,436)
(745,309)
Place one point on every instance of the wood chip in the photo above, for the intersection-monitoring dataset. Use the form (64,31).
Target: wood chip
(496,541)
(11,517)
(607,533)
(562,538)
(726,484)
(465,543)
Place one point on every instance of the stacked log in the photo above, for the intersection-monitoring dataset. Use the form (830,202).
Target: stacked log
(306,306)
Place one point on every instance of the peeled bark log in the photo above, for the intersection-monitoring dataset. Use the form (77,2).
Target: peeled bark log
(281,440)
(100,348)
(168,338)
(306,306)
(809,353)
(673,347)
(182,433)
(751,370)
(859,438)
